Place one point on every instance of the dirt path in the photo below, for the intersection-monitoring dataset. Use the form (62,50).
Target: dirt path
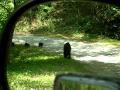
(82,51)
(102,58)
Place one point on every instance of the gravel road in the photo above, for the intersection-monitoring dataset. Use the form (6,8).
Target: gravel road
(82,51)
(102,58)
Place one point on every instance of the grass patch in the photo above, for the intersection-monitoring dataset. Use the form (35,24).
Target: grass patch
(35,68)
(110,41)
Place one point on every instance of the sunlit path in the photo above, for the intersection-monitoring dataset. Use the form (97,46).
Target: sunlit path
(80,50)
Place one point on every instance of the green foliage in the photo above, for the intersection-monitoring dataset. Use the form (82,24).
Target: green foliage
(3,17)
(36,17)
(18,3)
(66,18)
(6,8)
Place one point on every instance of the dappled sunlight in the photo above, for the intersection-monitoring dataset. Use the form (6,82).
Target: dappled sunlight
(37,71)
(60,36)
(18,41)
(36,39)
(77,36)
(85,37)
(96,52)
(44,78)
(100,58)
(27,81)
(42,57)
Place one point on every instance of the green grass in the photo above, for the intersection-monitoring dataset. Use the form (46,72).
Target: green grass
(110,41)
(34,67)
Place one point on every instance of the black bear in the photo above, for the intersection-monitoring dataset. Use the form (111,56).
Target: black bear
(67,50)
(26,44)
(12,44)
(40,44)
